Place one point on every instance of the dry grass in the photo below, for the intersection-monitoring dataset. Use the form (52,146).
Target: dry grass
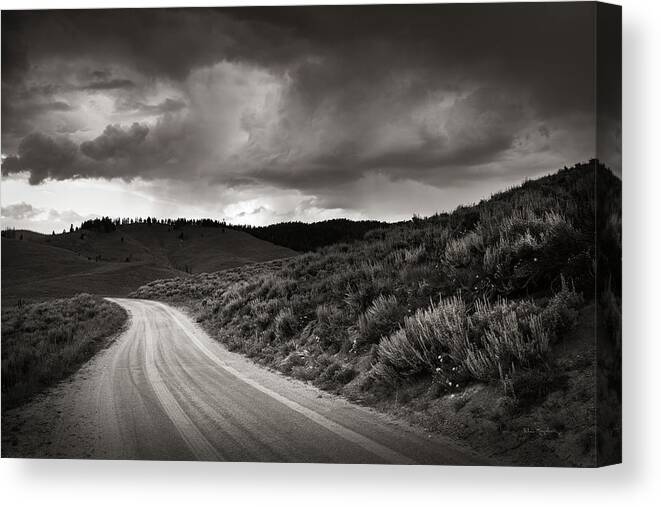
(43,343)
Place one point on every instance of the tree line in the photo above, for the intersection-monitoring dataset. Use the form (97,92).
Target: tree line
(306,237)
(299,236)
(107,224)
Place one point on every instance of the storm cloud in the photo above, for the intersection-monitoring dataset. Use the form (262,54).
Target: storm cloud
(113,84)
(43,157)
(316,100)
(115,142)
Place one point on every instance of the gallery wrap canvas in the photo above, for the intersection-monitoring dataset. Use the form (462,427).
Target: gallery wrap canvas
(359,234)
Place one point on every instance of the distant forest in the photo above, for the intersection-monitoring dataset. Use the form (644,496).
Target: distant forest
(304,237)
(299,236)
(107,224)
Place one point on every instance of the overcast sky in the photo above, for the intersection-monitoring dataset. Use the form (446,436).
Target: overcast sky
(271,114)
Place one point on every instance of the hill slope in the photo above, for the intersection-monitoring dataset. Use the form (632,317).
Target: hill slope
(305,237)
(37,266)
(484,317)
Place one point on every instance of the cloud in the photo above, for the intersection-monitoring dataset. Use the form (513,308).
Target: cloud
(536,44)
(100,75)
(43,157)
(115,142)
(19,113)
(256,211)
(303,99)
(20,211)
(169,105)
(433,138)
(23,215)
(247,126)
(67,216)
(42,107)
(108,84)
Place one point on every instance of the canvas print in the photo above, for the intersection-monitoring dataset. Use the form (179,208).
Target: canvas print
(383,234)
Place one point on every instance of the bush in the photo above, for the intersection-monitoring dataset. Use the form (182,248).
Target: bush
(415,255)
(285,324)
(504,336)
(532,251)
(329,325)
(380,318)
(460,252)
(336,375)
(263,311)
(418,345)
(560,313)
(490,343)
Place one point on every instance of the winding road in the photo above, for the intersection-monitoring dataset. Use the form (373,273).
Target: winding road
(165,390)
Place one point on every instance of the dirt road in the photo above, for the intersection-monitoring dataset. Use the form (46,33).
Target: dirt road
(165,390)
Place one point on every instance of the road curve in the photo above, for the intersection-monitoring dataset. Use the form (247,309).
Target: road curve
(164,390)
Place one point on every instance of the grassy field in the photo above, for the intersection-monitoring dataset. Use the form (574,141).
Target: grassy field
(477,309)
(43,343)
(37,266)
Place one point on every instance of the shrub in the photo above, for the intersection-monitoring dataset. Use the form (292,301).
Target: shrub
(263,312)
(416,347)
(490,343)
(329,325)
(415,255)
(510,335)
(293,360)
(532,251)
(359,296)
(459,252)
(285,324)
(560,313)
(336,375)
(378,320)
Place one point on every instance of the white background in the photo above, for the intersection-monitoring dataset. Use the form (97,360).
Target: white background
(636,482)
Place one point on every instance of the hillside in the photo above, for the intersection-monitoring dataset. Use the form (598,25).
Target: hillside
(478,322)
(307,237)
(37,266)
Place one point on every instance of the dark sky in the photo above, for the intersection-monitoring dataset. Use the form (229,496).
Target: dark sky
(270,114)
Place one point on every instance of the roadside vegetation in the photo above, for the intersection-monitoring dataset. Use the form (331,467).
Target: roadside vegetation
(42,343)
(466,322)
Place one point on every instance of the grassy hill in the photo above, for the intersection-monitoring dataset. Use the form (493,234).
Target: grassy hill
(479,322)
(38,266)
